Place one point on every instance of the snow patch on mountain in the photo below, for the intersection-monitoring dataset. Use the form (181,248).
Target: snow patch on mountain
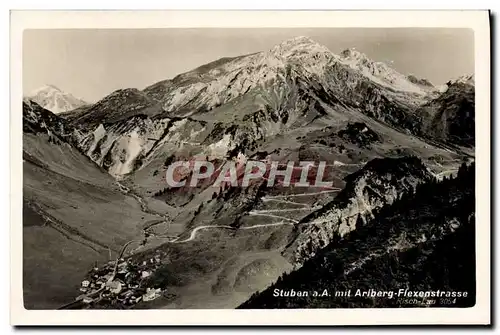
(220,148)
(299,47)
(130,147)
(219,82)
(99,134)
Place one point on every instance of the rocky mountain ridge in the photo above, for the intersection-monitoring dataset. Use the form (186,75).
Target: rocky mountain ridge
(249,98)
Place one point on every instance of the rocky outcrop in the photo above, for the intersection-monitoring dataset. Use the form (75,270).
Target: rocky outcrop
(119,147)
(360,134)
(378,183)
(379,71)
(450,117)
(117,106)
(38,120)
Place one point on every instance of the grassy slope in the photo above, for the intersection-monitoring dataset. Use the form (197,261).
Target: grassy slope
(86,208)
(221,268)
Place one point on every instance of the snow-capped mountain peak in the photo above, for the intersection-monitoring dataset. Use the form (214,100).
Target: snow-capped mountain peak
(378,71)
(54,99)
(219,82)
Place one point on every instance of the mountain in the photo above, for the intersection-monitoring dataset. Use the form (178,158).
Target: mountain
(72,210)
(424,241)
(37,119)
(419,81)
(55,100)
(233,103)
(465,79)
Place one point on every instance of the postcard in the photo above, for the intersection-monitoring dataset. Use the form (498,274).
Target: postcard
(250,168)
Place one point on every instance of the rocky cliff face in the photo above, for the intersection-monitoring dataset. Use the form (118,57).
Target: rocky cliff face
(120,154)
(379,182)
(450,117)
(422,82)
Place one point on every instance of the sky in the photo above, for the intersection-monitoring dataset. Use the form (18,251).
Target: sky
(92,63)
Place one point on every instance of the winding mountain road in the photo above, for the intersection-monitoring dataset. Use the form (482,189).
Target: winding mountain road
(272,216)
(267,197)
(440,175)
(264,199)
(192,236)
(268,213)
(284,210)
(281,223)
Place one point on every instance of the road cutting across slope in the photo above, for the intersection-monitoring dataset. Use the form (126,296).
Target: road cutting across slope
(273,216)
(264,199)
(284,210)
(267,197)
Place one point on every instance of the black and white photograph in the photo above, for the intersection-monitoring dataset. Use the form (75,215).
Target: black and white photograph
(250,168)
